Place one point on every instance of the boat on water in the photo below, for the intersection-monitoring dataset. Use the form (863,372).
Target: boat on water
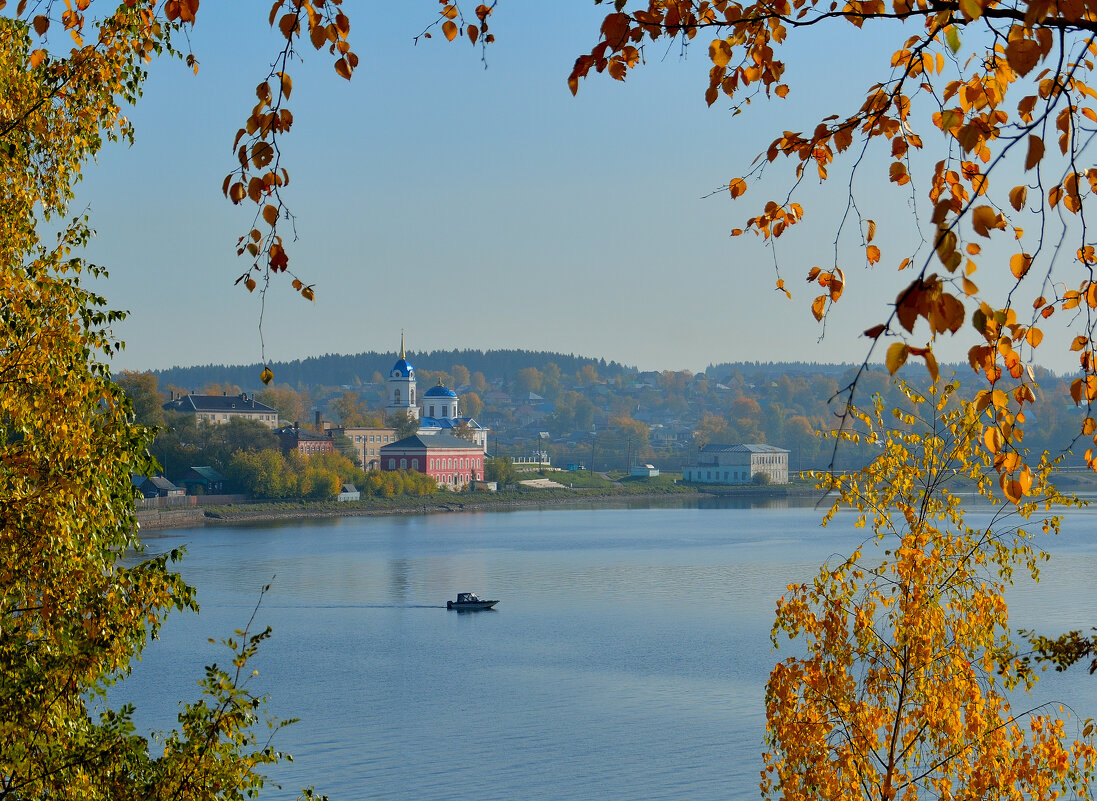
(468,602)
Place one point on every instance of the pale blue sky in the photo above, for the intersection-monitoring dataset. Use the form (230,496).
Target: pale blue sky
(479,208)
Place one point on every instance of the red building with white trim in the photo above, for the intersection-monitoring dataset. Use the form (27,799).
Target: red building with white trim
(451,461)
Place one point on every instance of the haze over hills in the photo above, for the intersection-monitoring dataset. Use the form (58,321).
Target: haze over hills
(355,369)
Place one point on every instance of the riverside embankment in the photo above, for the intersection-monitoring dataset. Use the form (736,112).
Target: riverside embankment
(445,502)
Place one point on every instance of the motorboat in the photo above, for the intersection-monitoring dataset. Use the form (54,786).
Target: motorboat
(468,602)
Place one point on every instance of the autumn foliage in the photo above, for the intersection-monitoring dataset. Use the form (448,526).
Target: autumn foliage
(79,598)
(979,120)
(900,690)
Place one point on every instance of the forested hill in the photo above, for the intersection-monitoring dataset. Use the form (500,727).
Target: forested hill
(338,370)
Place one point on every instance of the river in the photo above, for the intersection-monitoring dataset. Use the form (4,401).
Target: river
(627,658)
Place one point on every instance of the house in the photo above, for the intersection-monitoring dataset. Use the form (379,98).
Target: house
(203,481)
(157,487)
(222,408)
(643,471)
(368,442)
(738,464)
(348,492)
(305,442)
(451,461)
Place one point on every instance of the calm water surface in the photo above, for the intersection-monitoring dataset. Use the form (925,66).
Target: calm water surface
(627,658)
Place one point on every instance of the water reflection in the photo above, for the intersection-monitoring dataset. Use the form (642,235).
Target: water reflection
(626,660)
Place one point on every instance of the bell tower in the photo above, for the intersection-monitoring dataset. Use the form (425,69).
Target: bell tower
(401,390)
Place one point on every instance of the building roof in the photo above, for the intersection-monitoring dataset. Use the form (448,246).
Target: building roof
(429,425)
(302,434)
(208,473)
(745,448)
(219,403)
(159,482)
(440,441)
(440,391)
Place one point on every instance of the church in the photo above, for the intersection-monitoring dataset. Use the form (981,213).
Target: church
(439,411)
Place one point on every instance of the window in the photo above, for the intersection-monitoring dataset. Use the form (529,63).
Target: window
(392,464)
(432,410)
(396,395)
(414,464)
(403,464)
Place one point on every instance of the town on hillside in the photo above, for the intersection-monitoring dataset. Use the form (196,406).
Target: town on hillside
(419,426)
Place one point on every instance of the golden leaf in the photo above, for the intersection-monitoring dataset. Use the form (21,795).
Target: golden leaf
(931,365)
(871,226)
(1017,197)
(720,52)
(993,439)
(1035,152)
(266,376)
(971,9)
(449,30)
(818,305)
(1019,264)
(872,253)
(984,219)
(1023,55)
(896,357)
(737,187)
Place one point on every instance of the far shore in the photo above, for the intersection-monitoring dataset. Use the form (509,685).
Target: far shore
(444,502)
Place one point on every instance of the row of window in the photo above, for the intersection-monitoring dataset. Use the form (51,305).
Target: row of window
(437,464)
(374,438)
(213,417)
(453,464)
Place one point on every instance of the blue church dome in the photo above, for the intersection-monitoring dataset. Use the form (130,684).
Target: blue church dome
(440,391)
(402,368)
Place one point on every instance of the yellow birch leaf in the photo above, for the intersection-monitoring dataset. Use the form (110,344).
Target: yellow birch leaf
(1035,152)
(896,356)
(993,439)
(1019,265)
(1017,197)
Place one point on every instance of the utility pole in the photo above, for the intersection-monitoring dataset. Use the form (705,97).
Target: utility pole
(593,436)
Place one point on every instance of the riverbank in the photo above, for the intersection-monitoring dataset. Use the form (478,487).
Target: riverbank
(445,502)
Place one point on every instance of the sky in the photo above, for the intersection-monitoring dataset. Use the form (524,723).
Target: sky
(473,207)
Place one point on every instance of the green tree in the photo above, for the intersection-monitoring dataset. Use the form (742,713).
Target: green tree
(404,424)
(291,405)
(216,444)
(471,405)
(528,379)
(712,429)
(142,390)
(461,376)
(346,448)
(501,470)
(353,412)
